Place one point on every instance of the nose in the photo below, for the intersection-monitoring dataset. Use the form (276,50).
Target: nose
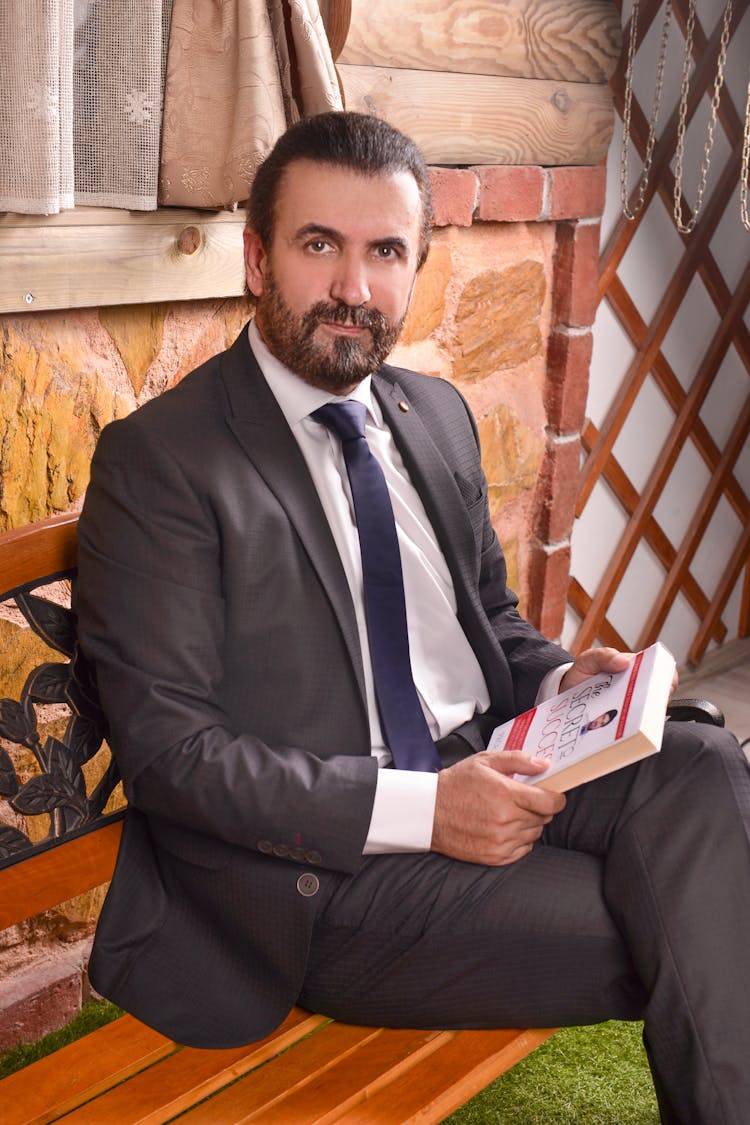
(350,283)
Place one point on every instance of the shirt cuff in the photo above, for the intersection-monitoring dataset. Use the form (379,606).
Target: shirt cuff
(402,813)
(550,685)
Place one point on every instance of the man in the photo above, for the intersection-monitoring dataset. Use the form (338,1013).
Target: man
(271,851)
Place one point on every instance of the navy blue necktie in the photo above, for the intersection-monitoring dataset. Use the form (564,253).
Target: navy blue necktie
(406,732)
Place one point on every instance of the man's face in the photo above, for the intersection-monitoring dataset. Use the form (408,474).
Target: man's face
(334,287)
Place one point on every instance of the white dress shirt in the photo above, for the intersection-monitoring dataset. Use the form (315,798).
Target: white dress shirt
(446,672)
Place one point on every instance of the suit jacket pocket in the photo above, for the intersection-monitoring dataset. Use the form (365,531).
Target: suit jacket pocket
(475,498)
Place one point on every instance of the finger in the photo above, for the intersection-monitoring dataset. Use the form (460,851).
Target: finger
(517,853)
(544,803)
(515,761)
(594,660)
(591,662)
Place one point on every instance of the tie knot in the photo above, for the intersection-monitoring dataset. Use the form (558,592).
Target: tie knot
(345,419)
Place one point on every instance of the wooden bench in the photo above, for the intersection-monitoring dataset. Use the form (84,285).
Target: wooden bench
(310,1069)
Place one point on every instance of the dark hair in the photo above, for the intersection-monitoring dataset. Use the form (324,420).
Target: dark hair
(358,141)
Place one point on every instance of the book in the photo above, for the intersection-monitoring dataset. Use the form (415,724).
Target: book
(605,722)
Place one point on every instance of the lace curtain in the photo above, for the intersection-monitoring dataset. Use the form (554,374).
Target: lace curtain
(80,103)
(81,89)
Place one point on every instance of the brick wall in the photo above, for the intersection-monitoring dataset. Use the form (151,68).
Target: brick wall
(568,202)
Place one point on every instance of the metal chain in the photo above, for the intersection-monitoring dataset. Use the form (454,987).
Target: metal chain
(686,228)
(744,174)
(628,211)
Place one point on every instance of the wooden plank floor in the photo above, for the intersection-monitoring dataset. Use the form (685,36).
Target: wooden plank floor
(724,677)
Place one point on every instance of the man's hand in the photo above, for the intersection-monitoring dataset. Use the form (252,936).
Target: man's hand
(594,660)
(483,816)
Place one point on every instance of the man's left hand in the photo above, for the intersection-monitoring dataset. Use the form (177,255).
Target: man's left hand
(594,660)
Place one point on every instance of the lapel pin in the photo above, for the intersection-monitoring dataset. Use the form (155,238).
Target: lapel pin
(403,406)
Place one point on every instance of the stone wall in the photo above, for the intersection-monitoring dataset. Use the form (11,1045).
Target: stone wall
(503,308)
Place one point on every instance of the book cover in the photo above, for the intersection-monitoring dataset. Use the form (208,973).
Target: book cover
(601,724)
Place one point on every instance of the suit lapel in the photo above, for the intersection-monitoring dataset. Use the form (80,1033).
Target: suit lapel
(432,478)
(259,426)
(446,509)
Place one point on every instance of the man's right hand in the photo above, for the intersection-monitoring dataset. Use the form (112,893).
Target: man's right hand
(483,816)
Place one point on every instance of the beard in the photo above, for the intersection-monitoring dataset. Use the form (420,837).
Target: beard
(337,366)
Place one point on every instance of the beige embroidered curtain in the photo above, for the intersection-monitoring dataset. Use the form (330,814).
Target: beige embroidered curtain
(81,84)
(239,72)
(80,103)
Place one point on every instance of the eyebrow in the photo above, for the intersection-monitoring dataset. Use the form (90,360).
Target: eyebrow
(335,235)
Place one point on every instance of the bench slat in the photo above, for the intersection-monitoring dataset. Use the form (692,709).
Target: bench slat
(31,552)
(320,1076)
(439,1084)
(343,1088)
(46,1089)
(49,878)
(185,1077)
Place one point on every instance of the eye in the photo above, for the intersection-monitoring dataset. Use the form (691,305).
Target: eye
(386,252)
(318,246)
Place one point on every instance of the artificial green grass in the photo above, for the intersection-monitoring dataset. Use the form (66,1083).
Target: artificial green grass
(581,1076)
(92,1015)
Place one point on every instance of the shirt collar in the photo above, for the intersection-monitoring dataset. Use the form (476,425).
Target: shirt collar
(296,398)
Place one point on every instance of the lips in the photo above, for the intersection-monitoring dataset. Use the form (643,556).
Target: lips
(344,329)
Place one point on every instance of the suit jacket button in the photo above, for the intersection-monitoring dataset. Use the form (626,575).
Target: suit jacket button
(313,857)
(281,850)
(265,846)
(308,884)
(297,854)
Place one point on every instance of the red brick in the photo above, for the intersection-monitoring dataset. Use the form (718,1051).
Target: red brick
(549,575)
(510,194)
(576,278)
(576,193)
(454,196)
(566,389)
(559,489)
(39,999)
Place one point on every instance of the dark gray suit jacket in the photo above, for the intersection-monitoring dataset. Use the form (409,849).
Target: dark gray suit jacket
(214,606)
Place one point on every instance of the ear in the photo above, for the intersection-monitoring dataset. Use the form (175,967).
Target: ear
(255,261)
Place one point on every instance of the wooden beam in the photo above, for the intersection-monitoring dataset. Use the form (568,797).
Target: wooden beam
(627,495)
(665,314)
(482,119)
(628,542)
(743,629)
(721,597)
(580,602)
(96,257)
(633,324)
(680,568)
(562,40)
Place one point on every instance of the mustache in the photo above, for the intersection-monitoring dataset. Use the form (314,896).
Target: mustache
(354,315)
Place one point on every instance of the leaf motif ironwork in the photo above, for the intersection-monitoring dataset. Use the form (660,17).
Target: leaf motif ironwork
(12,842)
(59,788)
(8,780)
(54,623)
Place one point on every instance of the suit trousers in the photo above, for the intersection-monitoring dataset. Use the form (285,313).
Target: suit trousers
(634,904)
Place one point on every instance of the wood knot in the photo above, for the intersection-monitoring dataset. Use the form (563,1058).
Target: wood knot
(189,240)
(561,100)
